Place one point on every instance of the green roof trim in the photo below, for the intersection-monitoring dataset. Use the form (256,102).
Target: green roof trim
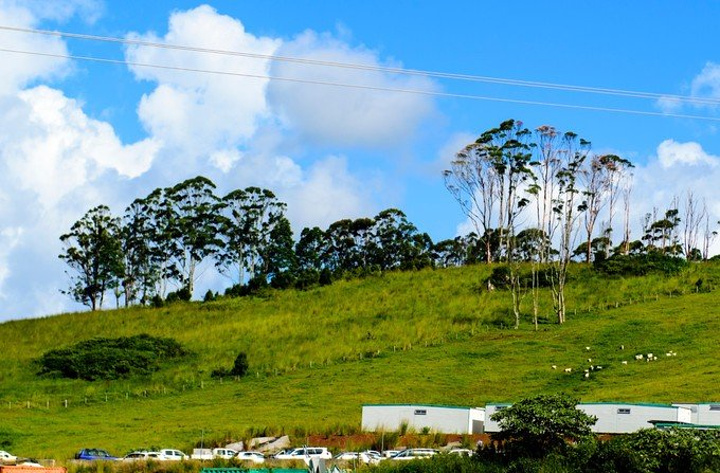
(636,404)
(421,405)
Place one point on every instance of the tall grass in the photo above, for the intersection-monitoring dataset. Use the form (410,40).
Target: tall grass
(316,356)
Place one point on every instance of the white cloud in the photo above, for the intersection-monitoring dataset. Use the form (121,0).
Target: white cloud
(345,116)
(195,112)
(53,147)
(707,83)
(326,193)
(17,70)
(671,153)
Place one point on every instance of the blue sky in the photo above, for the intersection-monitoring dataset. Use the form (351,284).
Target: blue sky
(76,134)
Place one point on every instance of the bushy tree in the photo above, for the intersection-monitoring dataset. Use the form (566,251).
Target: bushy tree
(541,425)
(93,252)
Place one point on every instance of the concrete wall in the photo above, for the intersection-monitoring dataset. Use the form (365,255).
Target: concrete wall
(443,419)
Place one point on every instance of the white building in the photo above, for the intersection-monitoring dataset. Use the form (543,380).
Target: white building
(704,414)
(615,418)
(441,419)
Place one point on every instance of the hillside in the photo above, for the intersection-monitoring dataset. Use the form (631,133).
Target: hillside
(316,356)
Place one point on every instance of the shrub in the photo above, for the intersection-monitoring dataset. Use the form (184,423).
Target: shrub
(640,264)
(107,358)
(239,368)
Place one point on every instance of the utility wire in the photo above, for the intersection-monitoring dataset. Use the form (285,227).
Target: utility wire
(364,87)
(365,67)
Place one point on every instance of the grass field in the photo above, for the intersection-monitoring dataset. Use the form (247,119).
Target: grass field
(315,357)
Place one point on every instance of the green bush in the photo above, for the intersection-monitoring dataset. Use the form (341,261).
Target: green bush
(640,264)
(108,358)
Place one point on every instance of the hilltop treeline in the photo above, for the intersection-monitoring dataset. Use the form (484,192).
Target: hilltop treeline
(154,250)
(162,240)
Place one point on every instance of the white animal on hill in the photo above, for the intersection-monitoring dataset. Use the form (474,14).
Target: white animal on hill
(639,357)
(568,370)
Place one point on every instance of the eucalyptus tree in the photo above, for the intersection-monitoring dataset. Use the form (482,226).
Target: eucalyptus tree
(398,245)
(488,179)
(340,255)
(193,228)
(249,218)
(142,270)
(573,152)
(311,250)
(279,262)
(600,178)
(92,250)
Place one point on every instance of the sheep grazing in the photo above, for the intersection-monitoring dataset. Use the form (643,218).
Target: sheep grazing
(668,354)
(587,348)
(587,375)
(554,367)
(639,357)
(589,360)
(624,362)
(568,370)
(622,347)
(598,367)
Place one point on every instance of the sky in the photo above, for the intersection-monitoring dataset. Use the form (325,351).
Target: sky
(76,133)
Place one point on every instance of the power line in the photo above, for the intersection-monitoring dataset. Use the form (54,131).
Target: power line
(365,87)
(365,67)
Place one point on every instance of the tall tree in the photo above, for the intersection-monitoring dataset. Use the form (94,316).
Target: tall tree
(250,215)
(566,209)
(141,269)
(93,252)
(193,230)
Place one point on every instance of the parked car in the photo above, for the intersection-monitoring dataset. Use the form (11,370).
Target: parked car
(463,452)
(144,456)
(6,457)
(390,453)
(226,453)
(31,464)
(94,454)
(347,456)
(414,454)
(254,457)
(303,453)
(172,454)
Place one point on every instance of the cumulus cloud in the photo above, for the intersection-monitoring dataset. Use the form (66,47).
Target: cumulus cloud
(196,112)
(53,147)
(328,192)
(345,116)
(671,153)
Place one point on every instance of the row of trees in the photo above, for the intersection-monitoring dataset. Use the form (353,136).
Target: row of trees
(511,175)
(167,239)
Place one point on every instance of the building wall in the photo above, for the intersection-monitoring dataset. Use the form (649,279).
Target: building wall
(490,409)
(626,418)
(613,418)
(703,414)
(448,420)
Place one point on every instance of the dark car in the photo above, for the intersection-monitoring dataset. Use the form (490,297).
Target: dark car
(94,454)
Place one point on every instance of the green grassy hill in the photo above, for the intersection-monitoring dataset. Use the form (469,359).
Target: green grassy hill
(317,356)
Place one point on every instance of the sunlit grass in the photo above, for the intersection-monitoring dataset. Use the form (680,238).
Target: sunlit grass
(317,356)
